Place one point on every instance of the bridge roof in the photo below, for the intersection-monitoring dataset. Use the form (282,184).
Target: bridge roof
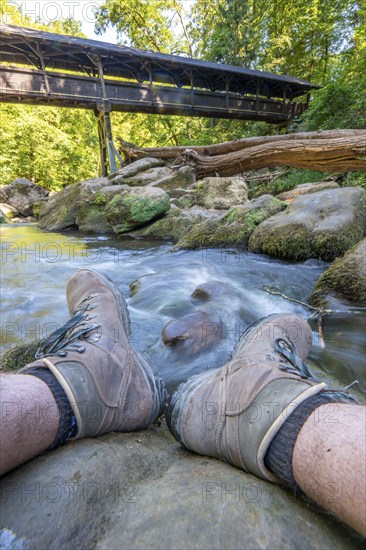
(25,46)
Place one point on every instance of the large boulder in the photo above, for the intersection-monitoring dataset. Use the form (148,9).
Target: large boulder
(148,177)
(176,223)
(318,225)
(136,206)
(61,210)
(220,193)
(345,278)
(22,194)
(131,170)
(232,228)
(306,188)
(143,490)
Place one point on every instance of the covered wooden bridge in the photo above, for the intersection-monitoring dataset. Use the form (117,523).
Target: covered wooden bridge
(42,68)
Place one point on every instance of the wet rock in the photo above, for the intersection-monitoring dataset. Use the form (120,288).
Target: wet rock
(232,228)
(131,170)
(143,490)
(181,178)
(345,278)
(61,210)
(193,333)
(136,206)
(176,223)
(318,225)
(212,290)
(15,358)
(22,194)
(8,211)
(220,193)
(307,188)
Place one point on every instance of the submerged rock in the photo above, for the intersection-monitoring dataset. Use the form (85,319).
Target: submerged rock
(220,193)
(136,206)
(318,225)
(232,228)
(193,333)
(143,490)
(306,188)
(345,278)
(22,194)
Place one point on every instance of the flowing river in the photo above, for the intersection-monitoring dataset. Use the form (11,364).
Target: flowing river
(36,266)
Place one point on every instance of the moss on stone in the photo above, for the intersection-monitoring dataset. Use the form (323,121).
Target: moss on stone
(18,357)
(125,212)
(233,229)
(346,277)
(294,242)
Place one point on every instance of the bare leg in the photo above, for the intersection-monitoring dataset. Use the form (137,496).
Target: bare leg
(329,461)
(29,419)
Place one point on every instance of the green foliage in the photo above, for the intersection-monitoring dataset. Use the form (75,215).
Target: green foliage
(287,182)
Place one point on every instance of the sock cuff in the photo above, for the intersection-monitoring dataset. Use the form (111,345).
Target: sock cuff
(67,427)
(278,458)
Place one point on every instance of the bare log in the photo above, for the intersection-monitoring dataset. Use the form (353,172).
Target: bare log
(133,152)
(341,154)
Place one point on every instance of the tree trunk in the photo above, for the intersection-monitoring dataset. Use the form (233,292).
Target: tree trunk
(133,152)
(334,154)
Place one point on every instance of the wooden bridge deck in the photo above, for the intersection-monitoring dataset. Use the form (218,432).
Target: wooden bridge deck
(42,68)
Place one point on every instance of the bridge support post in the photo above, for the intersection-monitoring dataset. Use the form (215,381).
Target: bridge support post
(109,156)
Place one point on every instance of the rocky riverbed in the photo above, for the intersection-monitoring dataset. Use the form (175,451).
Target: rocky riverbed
(189,257)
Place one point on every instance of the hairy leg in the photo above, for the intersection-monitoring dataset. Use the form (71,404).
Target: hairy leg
(329,461)
(29,419)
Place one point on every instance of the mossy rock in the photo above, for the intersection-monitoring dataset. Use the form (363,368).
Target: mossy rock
(175,224)
(136,207)
(318,225)
(62,209)
(345,278)
(15,358)
(234,228)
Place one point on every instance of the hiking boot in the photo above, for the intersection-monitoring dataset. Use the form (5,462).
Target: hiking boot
(233,413)
(110,386)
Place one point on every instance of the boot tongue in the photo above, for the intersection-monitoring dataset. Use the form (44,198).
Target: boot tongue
(293,363)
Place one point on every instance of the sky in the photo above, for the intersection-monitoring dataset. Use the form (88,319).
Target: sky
(82,10)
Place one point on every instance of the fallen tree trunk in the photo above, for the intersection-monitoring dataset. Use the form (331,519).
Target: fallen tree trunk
(133,152)
(340,154)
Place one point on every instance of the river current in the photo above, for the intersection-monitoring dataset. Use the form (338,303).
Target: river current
(37,264)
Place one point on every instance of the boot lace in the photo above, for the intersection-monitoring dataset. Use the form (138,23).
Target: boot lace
(65,338)
(290,361)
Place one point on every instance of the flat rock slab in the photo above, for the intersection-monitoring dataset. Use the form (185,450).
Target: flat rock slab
(144,491)
(317,225)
